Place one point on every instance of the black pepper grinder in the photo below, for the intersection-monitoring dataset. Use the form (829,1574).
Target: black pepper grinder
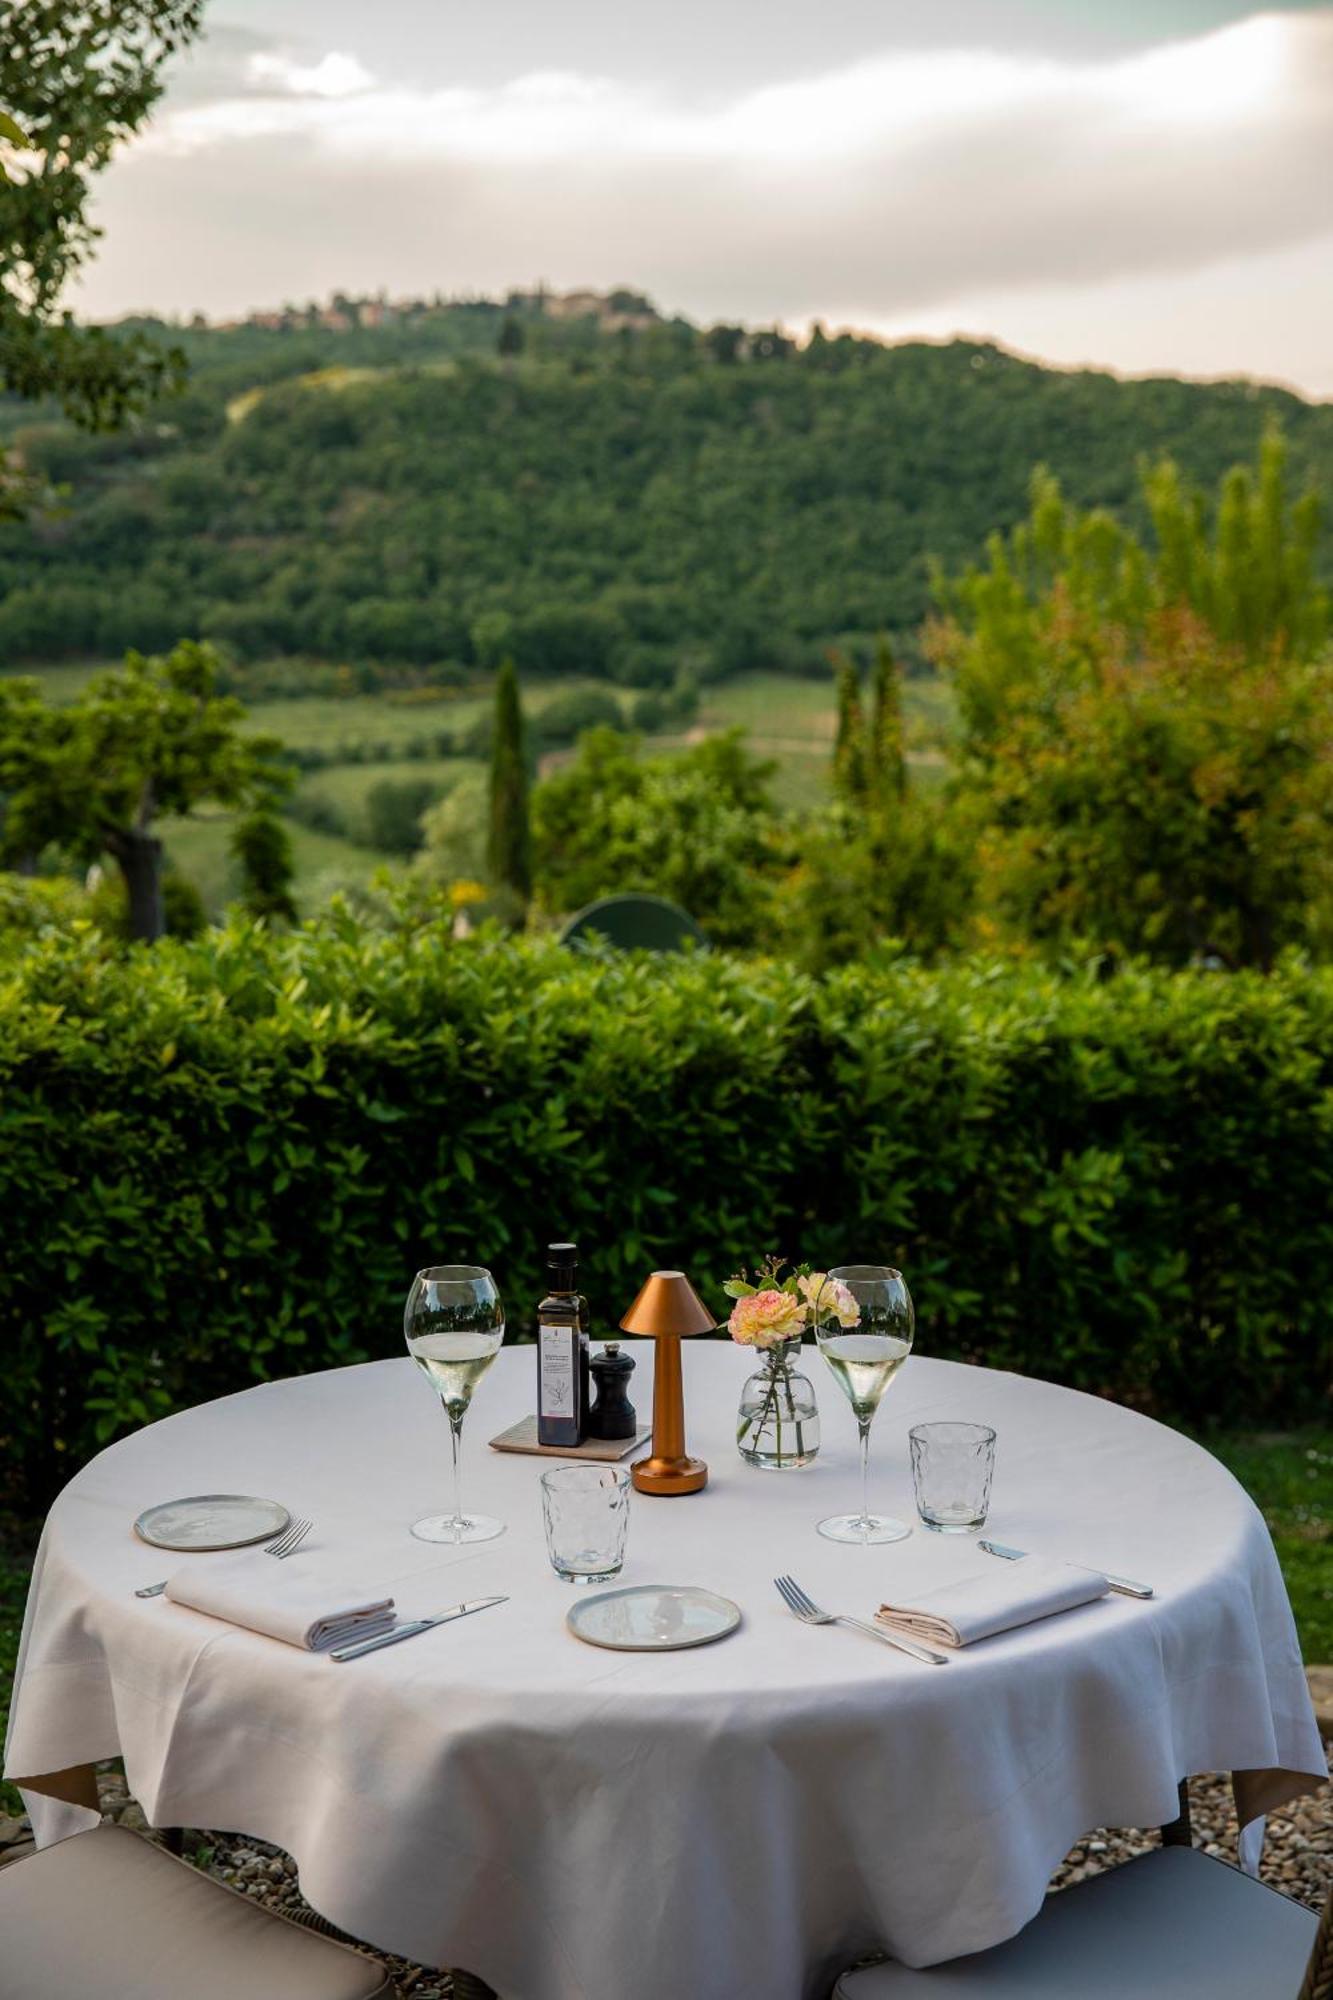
(612,1414)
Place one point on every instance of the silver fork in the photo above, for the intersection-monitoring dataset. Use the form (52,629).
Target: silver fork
(285,1544)
(809,1613)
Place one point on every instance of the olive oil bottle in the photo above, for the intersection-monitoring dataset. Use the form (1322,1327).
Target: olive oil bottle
(562,1351)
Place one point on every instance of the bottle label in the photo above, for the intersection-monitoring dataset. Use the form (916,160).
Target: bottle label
(556,1348)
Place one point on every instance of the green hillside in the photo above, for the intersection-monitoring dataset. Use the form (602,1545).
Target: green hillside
(614,505)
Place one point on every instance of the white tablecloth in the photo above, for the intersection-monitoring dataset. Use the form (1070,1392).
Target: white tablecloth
(737,1821)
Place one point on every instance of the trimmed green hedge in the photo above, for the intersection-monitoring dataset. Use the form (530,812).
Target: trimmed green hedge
(223,1160)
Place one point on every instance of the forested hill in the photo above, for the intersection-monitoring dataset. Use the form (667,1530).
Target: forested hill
(619,504)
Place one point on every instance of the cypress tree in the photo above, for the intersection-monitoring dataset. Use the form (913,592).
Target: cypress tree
(888,765)
(849,748)
(509,845)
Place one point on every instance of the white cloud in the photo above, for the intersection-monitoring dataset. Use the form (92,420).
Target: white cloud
(335,75)
(893,188)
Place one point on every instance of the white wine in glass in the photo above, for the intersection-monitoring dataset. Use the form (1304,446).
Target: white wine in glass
(454,1326)
(864,1325)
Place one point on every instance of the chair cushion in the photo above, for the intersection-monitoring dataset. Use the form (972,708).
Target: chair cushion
(1173,1925)
(108,1913)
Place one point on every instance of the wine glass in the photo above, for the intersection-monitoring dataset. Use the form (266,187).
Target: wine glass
(454,1324)
(864,1325)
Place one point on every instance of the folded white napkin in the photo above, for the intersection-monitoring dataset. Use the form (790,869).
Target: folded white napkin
(996,1599)
(304,1609)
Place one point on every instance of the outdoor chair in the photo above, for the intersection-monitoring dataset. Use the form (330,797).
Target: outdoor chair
(1173,1925)
(633,923)
(110,1914)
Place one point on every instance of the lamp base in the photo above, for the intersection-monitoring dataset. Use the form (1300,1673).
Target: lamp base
(669,1475)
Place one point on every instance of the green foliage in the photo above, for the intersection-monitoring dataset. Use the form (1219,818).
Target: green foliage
(263,850)
(671,708)
(1147,727)
(454,834)
(1067,577)
(572,511)
(79,80)
(885,752)
(900,873)
(509,843)
(698,827)
(394,809)
(151,738)
(564,718)
(850,766)
(182,905)
(869,763)
(1121,1184)
(32,905)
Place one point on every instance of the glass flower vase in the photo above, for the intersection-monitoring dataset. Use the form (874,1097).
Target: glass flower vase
(777,1424)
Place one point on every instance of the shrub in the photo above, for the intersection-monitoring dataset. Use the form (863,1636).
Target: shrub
(394,807)
(564,718)
(223,1159)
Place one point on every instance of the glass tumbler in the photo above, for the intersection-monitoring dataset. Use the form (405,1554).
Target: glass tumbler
(586,1510)
(952,1467)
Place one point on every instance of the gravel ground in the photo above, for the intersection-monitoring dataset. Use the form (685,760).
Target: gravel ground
(1298,1857)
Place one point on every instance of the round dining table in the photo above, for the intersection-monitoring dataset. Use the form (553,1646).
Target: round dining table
(733,1822)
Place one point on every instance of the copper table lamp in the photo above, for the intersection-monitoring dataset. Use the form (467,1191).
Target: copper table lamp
(668,1310)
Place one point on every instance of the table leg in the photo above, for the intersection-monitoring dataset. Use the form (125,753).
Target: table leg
(1178,1832)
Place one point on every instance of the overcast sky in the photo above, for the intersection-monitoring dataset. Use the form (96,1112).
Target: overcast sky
(1146,184)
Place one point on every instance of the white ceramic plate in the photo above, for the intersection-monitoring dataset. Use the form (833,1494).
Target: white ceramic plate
(211,1521)
(653,1618)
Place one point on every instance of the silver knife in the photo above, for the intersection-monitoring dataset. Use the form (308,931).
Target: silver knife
(410,1630)
(1125,1585)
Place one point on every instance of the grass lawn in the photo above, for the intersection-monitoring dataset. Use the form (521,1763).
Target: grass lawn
(325,722)
(321,861)
(346,785)
(63,683)
(1290,1476)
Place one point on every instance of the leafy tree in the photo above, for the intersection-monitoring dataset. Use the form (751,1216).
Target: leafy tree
(509,340)
(262,846)
(699,827)
(1147,728)
(1177,800)
(1065,576)
(509,848)
(76,80)
(150,738)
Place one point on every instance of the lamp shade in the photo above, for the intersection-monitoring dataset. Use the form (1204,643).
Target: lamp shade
(668,1305)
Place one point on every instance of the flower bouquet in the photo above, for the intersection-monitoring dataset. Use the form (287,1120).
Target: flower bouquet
(777,1425)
